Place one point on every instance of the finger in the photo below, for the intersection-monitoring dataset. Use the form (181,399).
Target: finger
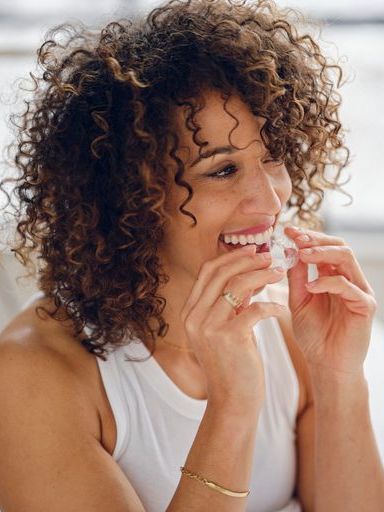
(236,262)
(208,267)
(308,238)
(242,286)
(255,312)
(341,258)
(323,269)
(297,279)
(356,300)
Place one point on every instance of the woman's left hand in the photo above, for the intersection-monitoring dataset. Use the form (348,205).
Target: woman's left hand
(332,316)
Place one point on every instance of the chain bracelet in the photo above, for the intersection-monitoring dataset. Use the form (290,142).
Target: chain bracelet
(213,485)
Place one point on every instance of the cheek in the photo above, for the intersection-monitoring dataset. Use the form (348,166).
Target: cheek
(285,187)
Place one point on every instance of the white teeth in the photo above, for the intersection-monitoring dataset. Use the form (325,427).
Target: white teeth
(243,239)
(259,238)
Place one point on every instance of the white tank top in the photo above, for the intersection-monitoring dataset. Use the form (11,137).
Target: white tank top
(157,423)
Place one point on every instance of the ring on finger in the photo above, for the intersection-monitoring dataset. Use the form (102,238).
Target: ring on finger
(234,301)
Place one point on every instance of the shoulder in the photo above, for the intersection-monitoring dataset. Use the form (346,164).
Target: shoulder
(280,293)
(50,427)
(40,361)
(37,384)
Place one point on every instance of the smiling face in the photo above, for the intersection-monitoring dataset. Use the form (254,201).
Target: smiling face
(232,190)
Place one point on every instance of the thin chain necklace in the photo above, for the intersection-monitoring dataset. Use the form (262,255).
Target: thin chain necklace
(176,347)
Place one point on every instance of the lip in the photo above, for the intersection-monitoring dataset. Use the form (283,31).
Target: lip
(260,228)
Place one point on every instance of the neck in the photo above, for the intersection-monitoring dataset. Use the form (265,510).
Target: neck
(179,351)
(176,293)
(181,355)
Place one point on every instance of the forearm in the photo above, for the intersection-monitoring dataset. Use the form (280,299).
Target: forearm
(222,452)
(349,473)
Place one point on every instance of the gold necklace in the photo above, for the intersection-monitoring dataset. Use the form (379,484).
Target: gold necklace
(177,347)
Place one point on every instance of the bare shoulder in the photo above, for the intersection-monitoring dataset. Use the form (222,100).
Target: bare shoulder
(32,340)
(50,432)
(279,292)
(30,330)
(40,349)
(39,353)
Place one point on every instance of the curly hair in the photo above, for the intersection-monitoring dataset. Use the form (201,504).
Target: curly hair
(92,141)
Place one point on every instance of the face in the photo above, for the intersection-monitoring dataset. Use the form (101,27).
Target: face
(232,191)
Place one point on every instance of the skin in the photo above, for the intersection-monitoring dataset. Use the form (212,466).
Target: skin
(338,306)
(330,319)
(255,193)
(326,331)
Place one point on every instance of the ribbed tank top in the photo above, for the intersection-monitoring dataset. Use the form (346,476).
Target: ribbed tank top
(157,422)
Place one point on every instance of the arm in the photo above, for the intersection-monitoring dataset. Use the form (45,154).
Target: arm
(222,451)
(332,319)
(49,422)
(338,461)
(349,472)
(344,447)
(51,458)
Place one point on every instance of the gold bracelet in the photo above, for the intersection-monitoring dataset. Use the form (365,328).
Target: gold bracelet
(213,485)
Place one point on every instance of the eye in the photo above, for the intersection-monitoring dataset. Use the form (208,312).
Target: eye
(229,170)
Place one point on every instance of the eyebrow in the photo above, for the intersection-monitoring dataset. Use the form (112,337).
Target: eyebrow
(228,150)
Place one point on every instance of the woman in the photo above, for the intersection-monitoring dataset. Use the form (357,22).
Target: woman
(162,355)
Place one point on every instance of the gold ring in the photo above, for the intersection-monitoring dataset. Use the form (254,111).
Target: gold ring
(234,301)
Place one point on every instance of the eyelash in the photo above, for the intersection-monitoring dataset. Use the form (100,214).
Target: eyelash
(215,174)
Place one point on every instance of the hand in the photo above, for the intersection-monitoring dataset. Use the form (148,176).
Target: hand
(332,316)
(222,337)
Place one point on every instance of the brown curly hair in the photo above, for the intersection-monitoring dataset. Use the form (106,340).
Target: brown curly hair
(92,142)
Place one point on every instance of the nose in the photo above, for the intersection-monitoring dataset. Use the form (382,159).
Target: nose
(261,194)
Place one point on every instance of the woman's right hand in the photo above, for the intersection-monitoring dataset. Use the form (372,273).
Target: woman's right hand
(222,338)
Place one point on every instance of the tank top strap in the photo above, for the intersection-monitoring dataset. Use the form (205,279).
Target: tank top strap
(111,379)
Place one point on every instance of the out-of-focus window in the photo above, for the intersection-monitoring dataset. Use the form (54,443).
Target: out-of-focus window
(353,33)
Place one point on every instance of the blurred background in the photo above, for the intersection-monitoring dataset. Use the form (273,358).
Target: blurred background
(352,32)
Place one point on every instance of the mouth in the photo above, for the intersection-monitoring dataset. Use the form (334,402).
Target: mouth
(262,241)
(264,247)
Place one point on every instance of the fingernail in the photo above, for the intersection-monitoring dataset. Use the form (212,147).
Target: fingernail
(311,284)
(303,238)
(308,250)
(265,255)
(278,270)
